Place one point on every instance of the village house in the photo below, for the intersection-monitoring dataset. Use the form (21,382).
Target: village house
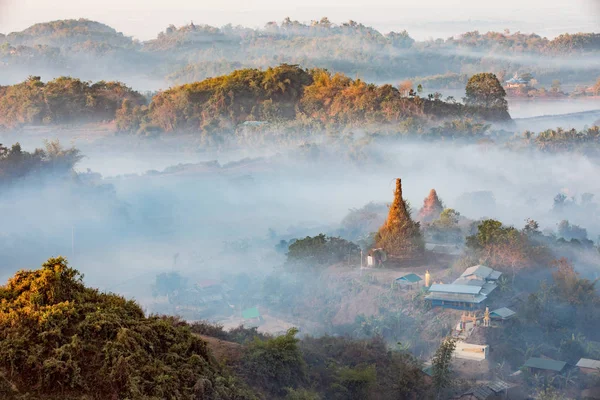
(515,83)
(588,366)
(502,314)
(545,366)
(252,317)
(467,292)
(495,390)
(408,281)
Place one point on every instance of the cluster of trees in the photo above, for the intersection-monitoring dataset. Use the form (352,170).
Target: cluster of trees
(586,141)
(66,33)
(62,100)
(62,340)
(558,321)
(504,247)
(322,250)
(286,93)
(327,367)
(527,43)
(15,163)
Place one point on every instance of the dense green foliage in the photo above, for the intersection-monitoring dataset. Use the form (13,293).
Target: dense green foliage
(557,320)
(288,92)
(314,99)
(275,364)
(62,100)
(342,368)
(17,164)
(61,340)
(505,246)
(586,141)
(322,250)
(484,90)
(442,364)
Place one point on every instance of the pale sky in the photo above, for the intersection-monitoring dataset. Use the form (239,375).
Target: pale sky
(143,19)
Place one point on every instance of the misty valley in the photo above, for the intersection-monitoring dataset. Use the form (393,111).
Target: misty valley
(406,220)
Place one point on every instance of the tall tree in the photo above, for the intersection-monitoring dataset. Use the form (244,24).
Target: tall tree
(485,91)
(442,365)
(400,236)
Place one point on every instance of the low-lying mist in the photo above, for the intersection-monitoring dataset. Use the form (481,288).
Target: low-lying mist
(223,213)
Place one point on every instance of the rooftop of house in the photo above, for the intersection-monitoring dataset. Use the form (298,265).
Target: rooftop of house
(474,285)
(455,288)
(480,272)
(206,283)
(545,364)
(588,363)
(517,81)
(485,391)
(503,313)
(251,313)
(410,278)
(254,123)
(457,297)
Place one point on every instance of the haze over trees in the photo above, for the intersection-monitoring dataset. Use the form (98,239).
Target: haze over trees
(63,100)
(286,95)
(183,54)
(61,340)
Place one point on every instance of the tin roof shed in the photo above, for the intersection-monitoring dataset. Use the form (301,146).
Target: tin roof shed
(452,288)
(251,313)
(502,313)
(545,364)
(409,279)
(588,363)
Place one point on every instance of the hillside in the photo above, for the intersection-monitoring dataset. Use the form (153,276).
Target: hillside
(195,52)
(313,99)
(66,33)
(62,340)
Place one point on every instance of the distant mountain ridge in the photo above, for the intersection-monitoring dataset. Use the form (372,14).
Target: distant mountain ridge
(64,33)
(179,55)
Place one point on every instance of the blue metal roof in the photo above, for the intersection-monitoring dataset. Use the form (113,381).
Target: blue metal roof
(503,313)
(410,278)
(457,297)
(452,288)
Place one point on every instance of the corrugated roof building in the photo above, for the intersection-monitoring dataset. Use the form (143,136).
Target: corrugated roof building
(502,313)
(469,291)
(589,366)
(492,390)
(545,364)
(409,279)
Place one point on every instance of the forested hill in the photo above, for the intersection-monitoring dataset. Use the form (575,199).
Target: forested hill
(63,340)
(194,52)
(67,33)
(314,98)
